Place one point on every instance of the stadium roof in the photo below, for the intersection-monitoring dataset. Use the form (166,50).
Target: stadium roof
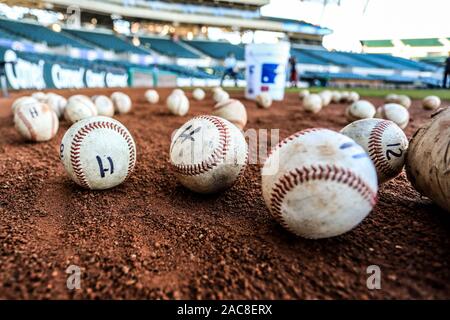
(422,42)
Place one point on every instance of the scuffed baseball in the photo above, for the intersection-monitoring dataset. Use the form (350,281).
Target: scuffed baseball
(233,111)
(220,95)
(345,96)
(385,143)
(79,107)
(178,91)
(104,105)
(36,121)
(178,104)
(395,113)
(98,153)
(431,103)
(264,100)
(198,94)
(312,103)
(122,102)
(404,101)
(353,97)
(326,97)
(391,98)
(428,159)
(21,102)
(208,154)
(303,93)
(319,183)
(151,96)
(361,109)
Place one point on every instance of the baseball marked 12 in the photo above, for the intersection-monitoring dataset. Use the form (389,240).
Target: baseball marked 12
(208,154)
(323,185)
(98,152)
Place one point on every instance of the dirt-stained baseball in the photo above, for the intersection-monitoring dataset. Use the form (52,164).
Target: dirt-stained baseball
(151,96)
(319,183)
(395,113)
(264,100)
(105,106)
(353,97)
(391,98)
(385,143)
(404,101)
(79,107)
(208,154)
(233,111)
(198,94)
(98,153)
(428,159)
(431,103)
(122,102)
(36,121)
(361,109)
(312,103)
(336,96)
(326,97)
(178,104)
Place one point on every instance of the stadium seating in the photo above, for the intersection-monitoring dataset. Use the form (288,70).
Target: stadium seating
(218,49)
(168,47)
(107,41)
(40,34)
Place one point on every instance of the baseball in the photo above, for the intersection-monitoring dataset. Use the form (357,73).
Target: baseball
(264,100)
(104,105)
(198,94)
(98,153)
(385,143)
(57,103)
(303,93)
(428,159)
(395,113)
(431,102)
(326,96)
(208,154)
(391,98)
(152,96)
(404,101)
(361,109)
(353,97)
(19,102)
(36,121)
(336,96)
(220,95)
(40,96)
(345,96)
(233,111)
(79,107)
(178,91)
(178,104)
(122,102)
(319,183)
(312,103)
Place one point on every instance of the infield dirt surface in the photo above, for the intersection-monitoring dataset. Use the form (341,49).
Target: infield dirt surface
(152,238)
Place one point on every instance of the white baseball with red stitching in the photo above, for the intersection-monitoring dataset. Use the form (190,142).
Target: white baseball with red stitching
(395,113)
(36,121)
(98,153)
(319,183)
(385,143)
(122,102)
(178,104)
(104,105)
(264,100)
(152,96)
(361,109)
(79,107)
(208,154)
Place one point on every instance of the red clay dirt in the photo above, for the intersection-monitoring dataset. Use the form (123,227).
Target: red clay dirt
(152,238)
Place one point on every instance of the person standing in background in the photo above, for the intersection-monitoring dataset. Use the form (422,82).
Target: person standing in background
(230,68)
(293,76)
(446,71)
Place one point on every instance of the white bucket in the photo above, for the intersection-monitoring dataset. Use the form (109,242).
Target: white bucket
(266,69)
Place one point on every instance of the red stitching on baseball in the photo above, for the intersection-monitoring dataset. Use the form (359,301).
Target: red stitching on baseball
(217,156)
(78,139)
(27,124)
(375,147)
(313,173)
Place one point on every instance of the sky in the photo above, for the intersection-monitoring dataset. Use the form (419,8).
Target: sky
(357,20)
